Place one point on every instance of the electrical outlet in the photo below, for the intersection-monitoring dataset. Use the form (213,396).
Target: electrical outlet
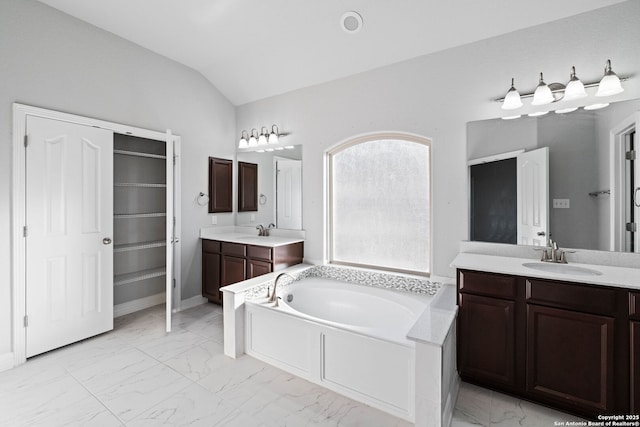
(214,219)
(561,204)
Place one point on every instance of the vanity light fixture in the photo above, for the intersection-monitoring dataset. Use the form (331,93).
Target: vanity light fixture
(512,98)
(264,138)
(253,139)
(610,83)
(243,140)
(575,88)
(543,94)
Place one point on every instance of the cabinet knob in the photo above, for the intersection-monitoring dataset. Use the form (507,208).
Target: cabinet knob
(106,241)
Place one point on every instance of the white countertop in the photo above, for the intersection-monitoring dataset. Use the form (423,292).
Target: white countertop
(248,239)
(623,277)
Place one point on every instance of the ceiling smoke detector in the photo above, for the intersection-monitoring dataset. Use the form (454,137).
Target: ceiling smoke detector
(351,22)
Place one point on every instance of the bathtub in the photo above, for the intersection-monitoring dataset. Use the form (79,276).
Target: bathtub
(347,337)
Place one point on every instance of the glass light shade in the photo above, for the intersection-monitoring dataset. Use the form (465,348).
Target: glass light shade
(543,94)
(596,106)
(253,141)
(262,139)
(610,83)
(575,88)
(243,140)
(273,138)
(512,99)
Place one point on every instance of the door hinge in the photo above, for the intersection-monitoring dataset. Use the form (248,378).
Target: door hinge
(25,231)
(631,226)
(26,321)
(630,155)
(26,140)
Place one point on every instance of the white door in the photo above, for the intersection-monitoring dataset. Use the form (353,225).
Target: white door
(169,232)
(69,219)
(533,197)
(289,194)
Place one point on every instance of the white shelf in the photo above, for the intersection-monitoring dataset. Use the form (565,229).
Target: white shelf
(139,154)
(142,215)
(139,184)
(125,279)
(139,246)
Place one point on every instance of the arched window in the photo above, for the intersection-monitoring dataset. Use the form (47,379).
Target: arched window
(380,203)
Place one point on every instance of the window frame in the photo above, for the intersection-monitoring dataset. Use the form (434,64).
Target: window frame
(407,137)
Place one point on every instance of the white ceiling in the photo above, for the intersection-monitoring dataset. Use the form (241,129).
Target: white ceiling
(253,49)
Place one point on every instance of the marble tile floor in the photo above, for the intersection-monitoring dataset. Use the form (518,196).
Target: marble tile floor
(137,375)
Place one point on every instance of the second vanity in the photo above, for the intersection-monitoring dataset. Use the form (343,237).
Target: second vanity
(564,335)
(232,257)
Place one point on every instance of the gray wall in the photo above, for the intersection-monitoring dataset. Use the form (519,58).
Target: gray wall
(54,61)
(435,96)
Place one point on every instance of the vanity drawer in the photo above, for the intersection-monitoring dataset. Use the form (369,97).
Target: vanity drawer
(211,246)
(236,249)
(488,284)
(634,305)
(260,252)
(587,298)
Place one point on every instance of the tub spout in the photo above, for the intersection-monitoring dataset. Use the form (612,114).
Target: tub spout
(274,297)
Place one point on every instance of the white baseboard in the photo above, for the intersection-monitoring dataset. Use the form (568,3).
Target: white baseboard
(138,304)
(192,302)
(6,361)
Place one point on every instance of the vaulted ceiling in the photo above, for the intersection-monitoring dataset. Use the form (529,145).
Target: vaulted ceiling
(253,49)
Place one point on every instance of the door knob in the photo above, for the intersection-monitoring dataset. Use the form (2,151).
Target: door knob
(541,233)
(106,241)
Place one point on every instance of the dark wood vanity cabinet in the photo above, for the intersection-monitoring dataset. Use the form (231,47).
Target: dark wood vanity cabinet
(226,263)
(487,341)
(220,185)
(568,342)
(247,187)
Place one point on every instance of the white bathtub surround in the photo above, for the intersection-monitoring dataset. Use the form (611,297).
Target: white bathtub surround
(355,354)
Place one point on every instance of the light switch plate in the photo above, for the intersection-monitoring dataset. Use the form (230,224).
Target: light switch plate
(214,219)
(561,204)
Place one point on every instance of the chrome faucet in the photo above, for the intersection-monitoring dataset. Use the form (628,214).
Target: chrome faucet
(273,297)
(553,253)
(261,230)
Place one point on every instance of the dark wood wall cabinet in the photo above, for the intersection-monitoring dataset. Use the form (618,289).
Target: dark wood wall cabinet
(247,187)
(571,346)
(220,185)
(226,263)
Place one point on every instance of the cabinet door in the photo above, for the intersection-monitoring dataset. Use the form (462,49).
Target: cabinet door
(635,367)
(220,185)
(234,270)
(258,268)
(486,340)
(211,277)
(247,187)
(570,358)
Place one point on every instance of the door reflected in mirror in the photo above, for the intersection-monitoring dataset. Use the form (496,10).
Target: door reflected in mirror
(591,179)
(279,189)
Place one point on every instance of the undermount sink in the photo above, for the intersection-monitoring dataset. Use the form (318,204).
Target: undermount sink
(561,268)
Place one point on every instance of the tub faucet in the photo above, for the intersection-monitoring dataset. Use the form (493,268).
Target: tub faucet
(273,297)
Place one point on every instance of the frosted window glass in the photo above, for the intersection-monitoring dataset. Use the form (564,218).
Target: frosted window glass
(380,205)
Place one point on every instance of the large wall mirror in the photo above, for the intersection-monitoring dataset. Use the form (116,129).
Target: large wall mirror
(587,198)
(279,188)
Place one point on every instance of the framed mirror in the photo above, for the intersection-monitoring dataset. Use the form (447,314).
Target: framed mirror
(592,199)
(279,188)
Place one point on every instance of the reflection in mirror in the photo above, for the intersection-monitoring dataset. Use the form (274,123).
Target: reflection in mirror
(591,179)
(279,189)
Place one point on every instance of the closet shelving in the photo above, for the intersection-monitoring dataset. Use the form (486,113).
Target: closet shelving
(139,217)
